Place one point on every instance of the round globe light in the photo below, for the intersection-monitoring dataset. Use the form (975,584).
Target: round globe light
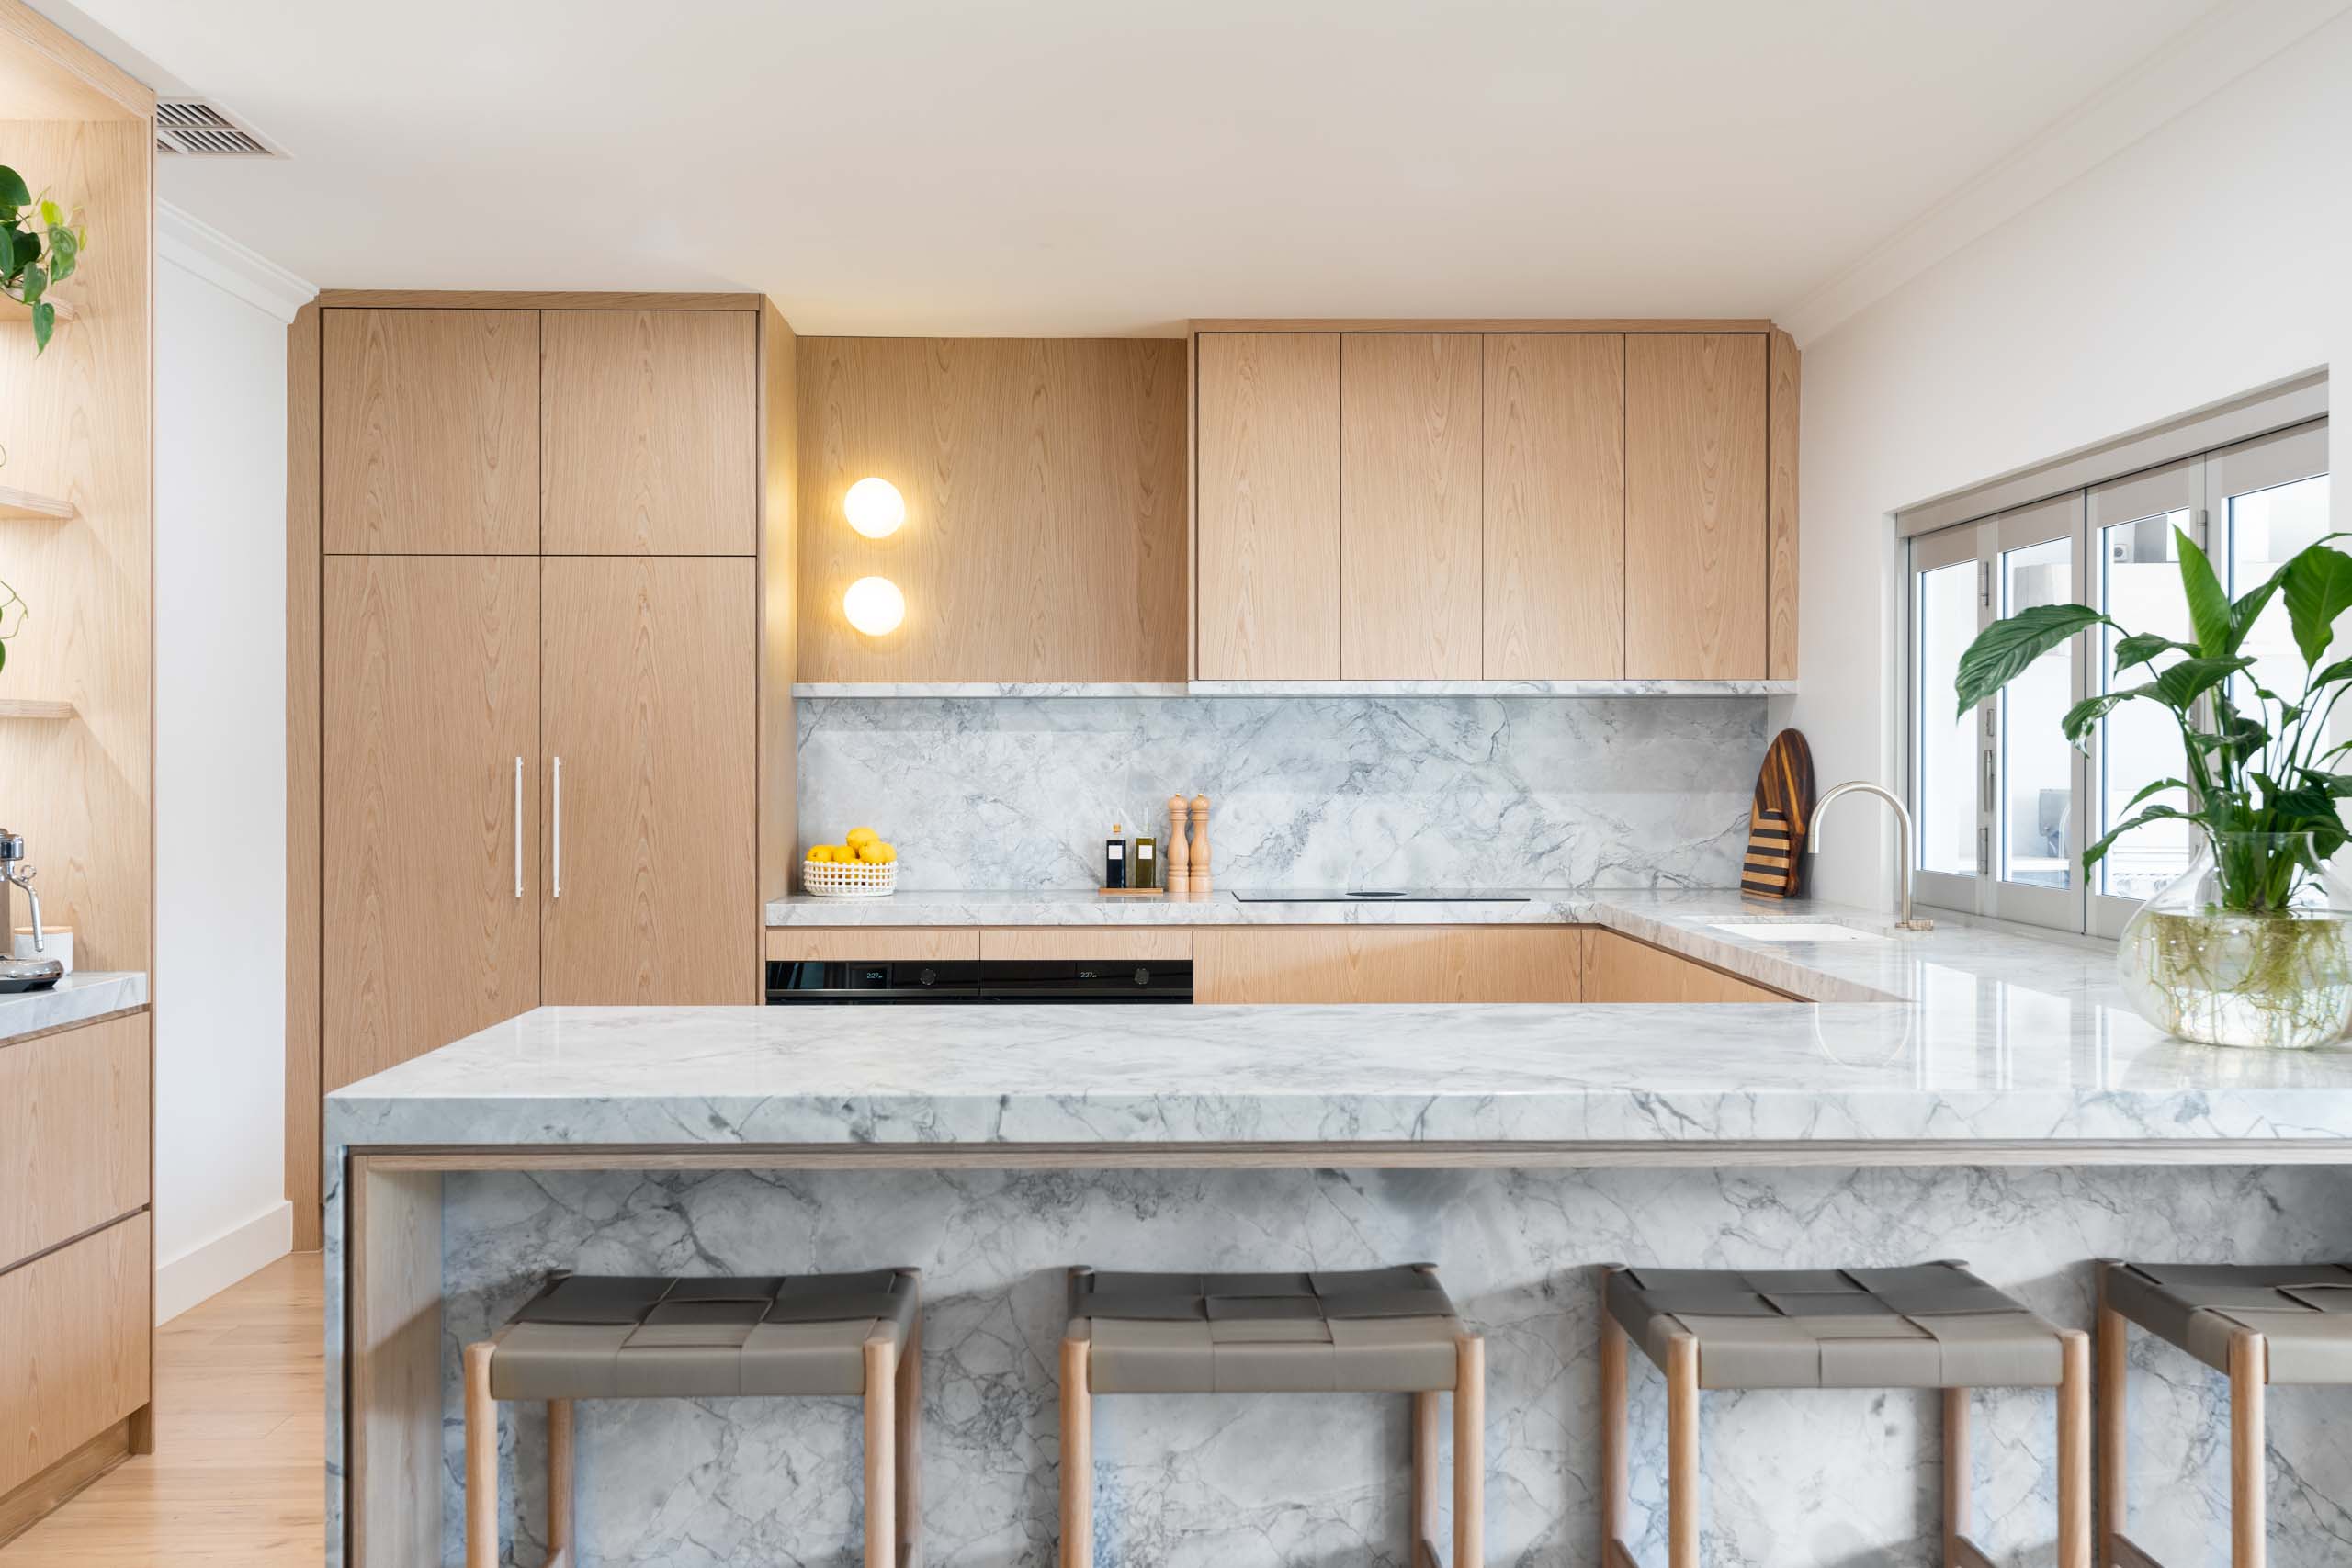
(875,508)
(875,605)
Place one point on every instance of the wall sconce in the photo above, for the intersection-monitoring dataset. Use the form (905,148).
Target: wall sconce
(875,508)
(875,605)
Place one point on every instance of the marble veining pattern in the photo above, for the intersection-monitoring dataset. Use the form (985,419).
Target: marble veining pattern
(1792,1479)
(74,999)
(1309,791)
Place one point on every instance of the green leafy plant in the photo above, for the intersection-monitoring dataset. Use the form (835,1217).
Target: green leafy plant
(41,244)
(2253,761)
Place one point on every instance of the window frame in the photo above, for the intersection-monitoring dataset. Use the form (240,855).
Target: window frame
(2204,484)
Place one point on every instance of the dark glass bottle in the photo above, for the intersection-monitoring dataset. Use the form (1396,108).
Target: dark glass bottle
(1114,858)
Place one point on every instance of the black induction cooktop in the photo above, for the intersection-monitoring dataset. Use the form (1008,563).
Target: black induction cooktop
(1375,896)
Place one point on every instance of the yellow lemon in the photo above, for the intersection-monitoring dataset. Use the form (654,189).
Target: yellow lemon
(861,837)
(871,853)
(820,853)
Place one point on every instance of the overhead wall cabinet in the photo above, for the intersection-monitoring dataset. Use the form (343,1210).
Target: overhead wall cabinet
(1465,501)
(533,673)
(76,750)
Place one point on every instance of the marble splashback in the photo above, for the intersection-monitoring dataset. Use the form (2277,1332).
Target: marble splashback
(1319,791)
(1840,1479)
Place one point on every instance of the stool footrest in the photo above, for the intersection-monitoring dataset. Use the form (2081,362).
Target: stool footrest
(1621,1555)
(1425,1555)
(2123,1553)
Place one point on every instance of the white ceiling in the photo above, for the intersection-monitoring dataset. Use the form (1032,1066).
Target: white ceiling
(1084,166)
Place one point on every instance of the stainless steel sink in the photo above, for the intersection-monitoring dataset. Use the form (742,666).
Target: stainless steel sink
(1795,930)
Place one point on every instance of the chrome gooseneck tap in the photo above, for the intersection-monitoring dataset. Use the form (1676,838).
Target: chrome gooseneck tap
(14,872)
(1902,846)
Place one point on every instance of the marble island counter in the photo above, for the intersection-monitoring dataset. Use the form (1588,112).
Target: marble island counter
(1968,1093)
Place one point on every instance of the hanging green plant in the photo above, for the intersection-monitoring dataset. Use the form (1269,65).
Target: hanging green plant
(40,242)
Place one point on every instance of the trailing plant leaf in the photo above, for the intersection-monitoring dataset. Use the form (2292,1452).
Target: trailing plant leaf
(2208,607)
(2004,649)
(2318,588)
(14,193)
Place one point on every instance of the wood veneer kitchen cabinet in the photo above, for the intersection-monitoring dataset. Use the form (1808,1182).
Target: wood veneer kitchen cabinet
(1618,968)
(649,702)
(1385,963)
(74,1361)
(431,914)
(429,432)
(650,441)
(1267,524)
(1410,573)
(1555,506)
(75,1111)
(1697,555)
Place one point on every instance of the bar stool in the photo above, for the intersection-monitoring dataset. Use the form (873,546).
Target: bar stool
(611,1337)
(2259,1323)
(1356,1331)
(1933,1325)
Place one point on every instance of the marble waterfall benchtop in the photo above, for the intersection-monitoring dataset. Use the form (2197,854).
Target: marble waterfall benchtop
(1953,1040)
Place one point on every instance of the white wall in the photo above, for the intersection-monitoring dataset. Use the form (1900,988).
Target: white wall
(2209,258)
(220,980)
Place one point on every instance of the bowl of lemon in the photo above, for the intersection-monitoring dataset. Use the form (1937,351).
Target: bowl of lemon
(863,865)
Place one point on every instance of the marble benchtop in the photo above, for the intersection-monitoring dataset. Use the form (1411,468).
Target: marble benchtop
(1961,1037)
(76,998)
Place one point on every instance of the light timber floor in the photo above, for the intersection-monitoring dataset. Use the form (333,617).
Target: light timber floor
(240,1429)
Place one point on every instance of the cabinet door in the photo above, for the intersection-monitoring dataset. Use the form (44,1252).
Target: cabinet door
(1267,535)
(73,1132)
(74,1356)
(1410,450)
(650,698)
(1619,969)
(1555,506)
(1696,554)
(430,681)
(430,420)
(1385,963)
(649,433)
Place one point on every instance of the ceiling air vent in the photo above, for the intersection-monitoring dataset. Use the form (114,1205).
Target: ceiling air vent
(198,129)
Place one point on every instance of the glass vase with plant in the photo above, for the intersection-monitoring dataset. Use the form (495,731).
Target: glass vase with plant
(2252,945)
(41,244)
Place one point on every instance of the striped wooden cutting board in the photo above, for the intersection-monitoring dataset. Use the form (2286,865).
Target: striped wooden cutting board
(1778,818)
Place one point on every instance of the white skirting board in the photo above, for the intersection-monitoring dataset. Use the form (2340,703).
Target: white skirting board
(210,1267)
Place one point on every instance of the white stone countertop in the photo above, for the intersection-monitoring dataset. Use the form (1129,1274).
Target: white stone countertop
(1962,1037)
(74,999)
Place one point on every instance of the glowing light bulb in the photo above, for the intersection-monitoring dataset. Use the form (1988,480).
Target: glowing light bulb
(875,508)
(875,605)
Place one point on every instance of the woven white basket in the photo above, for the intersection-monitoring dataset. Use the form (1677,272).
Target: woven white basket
(856,879)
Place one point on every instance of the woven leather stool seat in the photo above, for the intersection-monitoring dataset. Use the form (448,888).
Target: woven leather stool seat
(2304,1312)
(1930,1326)
(619,1337)
(1365,1331)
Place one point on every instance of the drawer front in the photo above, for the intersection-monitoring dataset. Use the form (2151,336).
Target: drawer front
(73,1132)
(73,1346)
(871,944)
(1088,944)
(1386,964)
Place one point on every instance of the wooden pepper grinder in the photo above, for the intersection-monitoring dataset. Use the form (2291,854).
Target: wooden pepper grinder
(1200,846)
(1175,869)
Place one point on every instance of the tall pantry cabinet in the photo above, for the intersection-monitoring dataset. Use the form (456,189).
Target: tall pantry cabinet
(540,523)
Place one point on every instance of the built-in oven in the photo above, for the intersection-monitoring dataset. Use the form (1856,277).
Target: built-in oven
(1003,980)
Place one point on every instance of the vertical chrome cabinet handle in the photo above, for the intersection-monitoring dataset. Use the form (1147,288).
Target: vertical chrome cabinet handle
(558,834)
(518,827)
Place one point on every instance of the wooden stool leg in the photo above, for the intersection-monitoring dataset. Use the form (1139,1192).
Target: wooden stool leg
(1960,1476)
(2113,1348)
(1613,1347)
(560,1483)
(2075,1453)
(1425,1478)
(910,1445)
(881,1452)
(1078,1457)
(2249,1368)
(481,1460)
(1469,1452)
(1683,1451)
